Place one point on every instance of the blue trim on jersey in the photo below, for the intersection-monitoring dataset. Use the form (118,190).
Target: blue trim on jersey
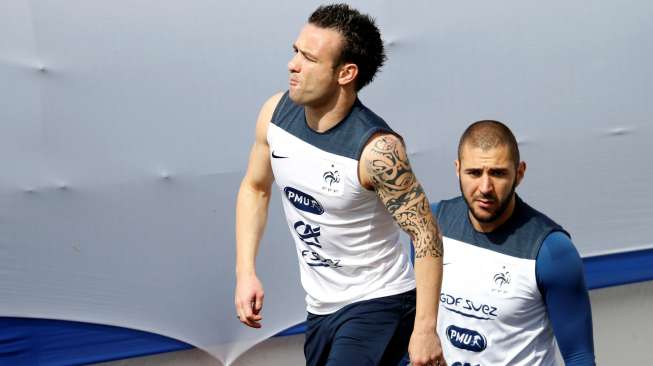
(347,138)
(520,236)
(559,275)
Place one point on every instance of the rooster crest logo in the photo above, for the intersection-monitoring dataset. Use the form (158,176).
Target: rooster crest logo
(331,177)
(502,278)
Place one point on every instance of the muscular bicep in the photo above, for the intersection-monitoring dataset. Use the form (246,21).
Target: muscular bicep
(259,170)
(386,168)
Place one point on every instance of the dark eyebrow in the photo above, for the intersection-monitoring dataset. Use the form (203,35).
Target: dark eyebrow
(498,170)
(305,53)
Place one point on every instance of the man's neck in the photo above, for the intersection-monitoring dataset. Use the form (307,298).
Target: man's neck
(324,117)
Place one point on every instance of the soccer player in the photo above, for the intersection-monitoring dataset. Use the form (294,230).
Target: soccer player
(513,280)
(347,189)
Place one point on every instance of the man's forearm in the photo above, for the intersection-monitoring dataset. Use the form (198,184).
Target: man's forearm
(427,243)
(428,275)
(251,216)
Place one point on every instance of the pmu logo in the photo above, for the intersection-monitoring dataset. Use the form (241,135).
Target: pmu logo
(331,177)
(466,339)
(303,201)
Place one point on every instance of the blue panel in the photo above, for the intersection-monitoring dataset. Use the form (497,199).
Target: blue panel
(619,268)
(295,329)
(55,342)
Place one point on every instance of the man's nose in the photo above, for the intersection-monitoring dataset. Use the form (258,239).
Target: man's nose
(293,64)
(486,184)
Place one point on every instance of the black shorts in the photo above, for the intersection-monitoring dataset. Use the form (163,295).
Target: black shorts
(371,332)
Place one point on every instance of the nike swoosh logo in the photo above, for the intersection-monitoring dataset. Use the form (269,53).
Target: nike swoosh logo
(278,156)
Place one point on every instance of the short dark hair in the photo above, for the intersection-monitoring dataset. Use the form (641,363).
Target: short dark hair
(489,134)
(362,39)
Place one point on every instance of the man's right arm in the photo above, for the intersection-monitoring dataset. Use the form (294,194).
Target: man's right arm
(251,216)
(560,278)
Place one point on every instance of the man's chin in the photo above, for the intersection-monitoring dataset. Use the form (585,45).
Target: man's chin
(484,216)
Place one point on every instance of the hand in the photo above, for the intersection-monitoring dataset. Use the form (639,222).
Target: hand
(424,349)
(249,300)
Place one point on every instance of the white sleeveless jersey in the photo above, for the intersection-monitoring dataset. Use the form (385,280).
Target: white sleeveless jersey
(491,309)
(347,242)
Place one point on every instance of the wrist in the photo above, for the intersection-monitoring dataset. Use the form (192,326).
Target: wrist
(246,272)
(425,325)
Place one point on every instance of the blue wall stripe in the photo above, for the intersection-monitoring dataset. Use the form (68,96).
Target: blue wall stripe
(295,329)
(25,341)
(54,342)
(619,268)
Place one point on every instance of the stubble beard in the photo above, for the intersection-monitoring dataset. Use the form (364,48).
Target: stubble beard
(498,212)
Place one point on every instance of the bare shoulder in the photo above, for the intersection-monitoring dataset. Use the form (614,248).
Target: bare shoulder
(259,174)
(271,103)
(265,115)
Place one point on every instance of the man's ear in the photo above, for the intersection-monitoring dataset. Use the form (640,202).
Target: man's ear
(457,164)
(521,170)
(347,74)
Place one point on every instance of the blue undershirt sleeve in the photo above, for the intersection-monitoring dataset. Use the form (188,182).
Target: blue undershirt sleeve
(434,209)
(561,280)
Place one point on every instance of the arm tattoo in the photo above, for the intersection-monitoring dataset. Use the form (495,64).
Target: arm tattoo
(402,195)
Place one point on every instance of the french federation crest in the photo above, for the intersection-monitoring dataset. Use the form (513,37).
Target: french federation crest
(332,179)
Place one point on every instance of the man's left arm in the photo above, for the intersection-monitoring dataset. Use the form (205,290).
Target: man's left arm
(560,278)
(385,168)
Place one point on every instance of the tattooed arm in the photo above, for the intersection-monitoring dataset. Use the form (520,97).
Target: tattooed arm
(384,167)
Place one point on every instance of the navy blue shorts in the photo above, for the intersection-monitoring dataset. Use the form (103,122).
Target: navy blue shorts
(371,332)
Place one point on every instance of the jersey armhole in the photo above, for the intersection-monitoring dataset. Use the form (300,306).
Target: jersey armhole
(278,107)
